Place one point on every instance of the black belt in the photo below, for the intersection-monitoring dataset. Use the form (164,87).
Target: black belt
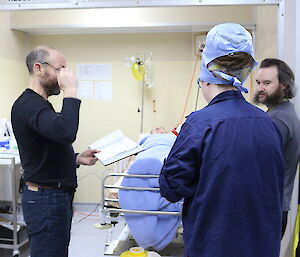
(35,187)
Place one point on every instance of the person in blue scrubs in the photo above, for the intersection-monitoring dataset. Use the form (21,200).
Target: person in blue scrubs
(227,162)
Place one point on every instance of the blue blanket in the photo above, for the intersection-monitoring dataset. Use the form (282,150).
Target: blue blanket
(155,231)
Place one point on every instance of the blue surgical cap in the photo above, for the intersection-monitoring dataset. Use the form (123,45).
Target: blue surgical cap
(225,39)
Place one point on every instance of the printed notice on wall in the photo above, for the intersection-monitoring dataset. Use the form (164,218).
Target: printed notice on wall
(103,90)
(95,71)
(85,89)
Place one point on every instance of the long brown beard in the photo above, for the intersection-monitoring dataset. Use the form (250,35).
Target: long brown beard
(270,100)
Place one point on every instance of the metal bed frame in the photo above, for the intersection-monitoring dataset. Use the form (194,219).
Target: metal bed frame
(113,246)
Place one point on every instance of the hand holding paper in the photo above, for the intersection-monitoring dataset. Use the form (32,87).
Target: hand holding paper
(87,157)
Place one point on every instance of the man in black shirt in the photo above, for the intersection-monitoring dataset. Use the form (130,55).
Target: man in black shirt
(45,140)
(275,88)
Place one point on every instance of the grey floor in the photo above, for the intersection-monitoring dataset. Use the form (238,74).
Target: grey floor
(89,241)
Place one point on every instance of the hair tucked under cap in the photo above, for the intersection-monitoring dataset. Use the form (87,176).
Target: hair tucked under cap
(227,40)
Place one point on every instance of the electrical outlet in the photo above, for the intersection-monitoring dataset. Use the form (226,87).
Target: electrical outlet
(199,43)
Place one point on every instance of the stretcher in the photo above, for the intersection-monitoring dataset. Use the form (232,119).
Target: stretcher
(112,217)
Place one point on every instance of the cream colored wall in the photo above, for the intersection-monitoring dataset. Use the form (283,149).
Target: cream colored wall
(265,38)
(12,69)
(266,31)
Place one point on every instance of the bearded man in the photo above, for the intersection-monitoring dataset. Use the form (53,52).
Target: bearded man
(45,140)
(275,87)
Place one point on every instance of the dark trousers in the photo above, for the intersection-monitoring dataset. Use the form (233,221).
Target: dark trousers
(48,215)
(284,222)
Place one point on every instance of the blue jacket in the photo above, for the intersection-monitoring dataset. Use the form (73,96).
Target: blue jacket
(227,164)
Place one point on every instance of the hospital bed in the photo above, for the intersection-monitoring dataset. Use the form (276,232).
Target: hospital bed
(109,214)
(113,188)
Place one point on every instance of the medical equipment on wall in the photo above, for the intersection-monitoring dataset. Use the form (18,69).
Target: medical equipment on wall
(141,69)
(138,70)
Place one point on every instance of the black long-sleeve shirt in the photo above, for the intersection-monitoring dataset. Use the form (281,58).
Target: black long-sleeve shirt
(45,139)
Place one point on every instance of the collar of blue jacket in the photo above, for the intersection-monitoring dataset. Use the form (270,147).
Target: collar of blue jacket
(226,96)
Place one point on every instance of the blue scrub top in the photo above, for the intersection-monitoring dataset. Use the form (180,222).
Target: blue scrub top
(227,164)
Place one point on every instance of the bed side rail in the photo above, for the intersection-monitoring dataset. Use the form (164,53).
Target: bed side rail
(107,200)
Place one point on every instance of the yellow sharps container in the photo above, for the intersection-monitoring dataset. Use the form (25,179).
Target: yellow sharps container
(135,252)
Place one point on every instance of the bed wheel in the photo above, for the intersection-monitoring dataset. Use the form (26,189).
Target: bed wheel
(114,223)
(16,253)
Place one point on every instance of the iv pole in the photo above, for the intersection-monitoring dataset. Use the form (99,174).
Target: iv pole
(145,59)
(142,108)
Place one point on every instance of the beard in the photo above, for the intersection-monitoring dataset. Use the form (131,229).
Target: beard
(50,86)
(269,100)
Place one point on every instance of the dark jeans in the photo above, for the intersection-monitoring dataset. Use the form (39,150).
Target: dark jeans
(48,215)
(284,222)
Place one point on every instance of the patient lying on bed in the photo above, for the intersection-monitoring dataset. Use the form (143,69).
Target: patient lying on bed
(155,231)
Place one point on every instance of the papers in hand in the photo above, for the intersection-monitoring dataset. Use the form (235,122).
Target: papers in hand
(115,146)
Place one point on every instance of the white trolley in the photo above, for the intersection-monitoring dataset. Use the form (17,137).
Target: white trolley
(10,173)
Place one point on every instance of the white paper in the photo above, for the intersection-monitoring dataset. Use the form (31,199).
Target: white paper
(96,71)
(103,90)
(115,146)
(85,90)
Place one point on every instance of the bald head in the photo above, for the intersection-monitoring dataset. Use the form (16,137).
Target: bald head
(38,54)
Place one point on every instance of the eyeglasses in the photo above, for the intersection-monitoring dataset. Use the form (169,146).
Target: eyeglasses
(56,69)
(199,82)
